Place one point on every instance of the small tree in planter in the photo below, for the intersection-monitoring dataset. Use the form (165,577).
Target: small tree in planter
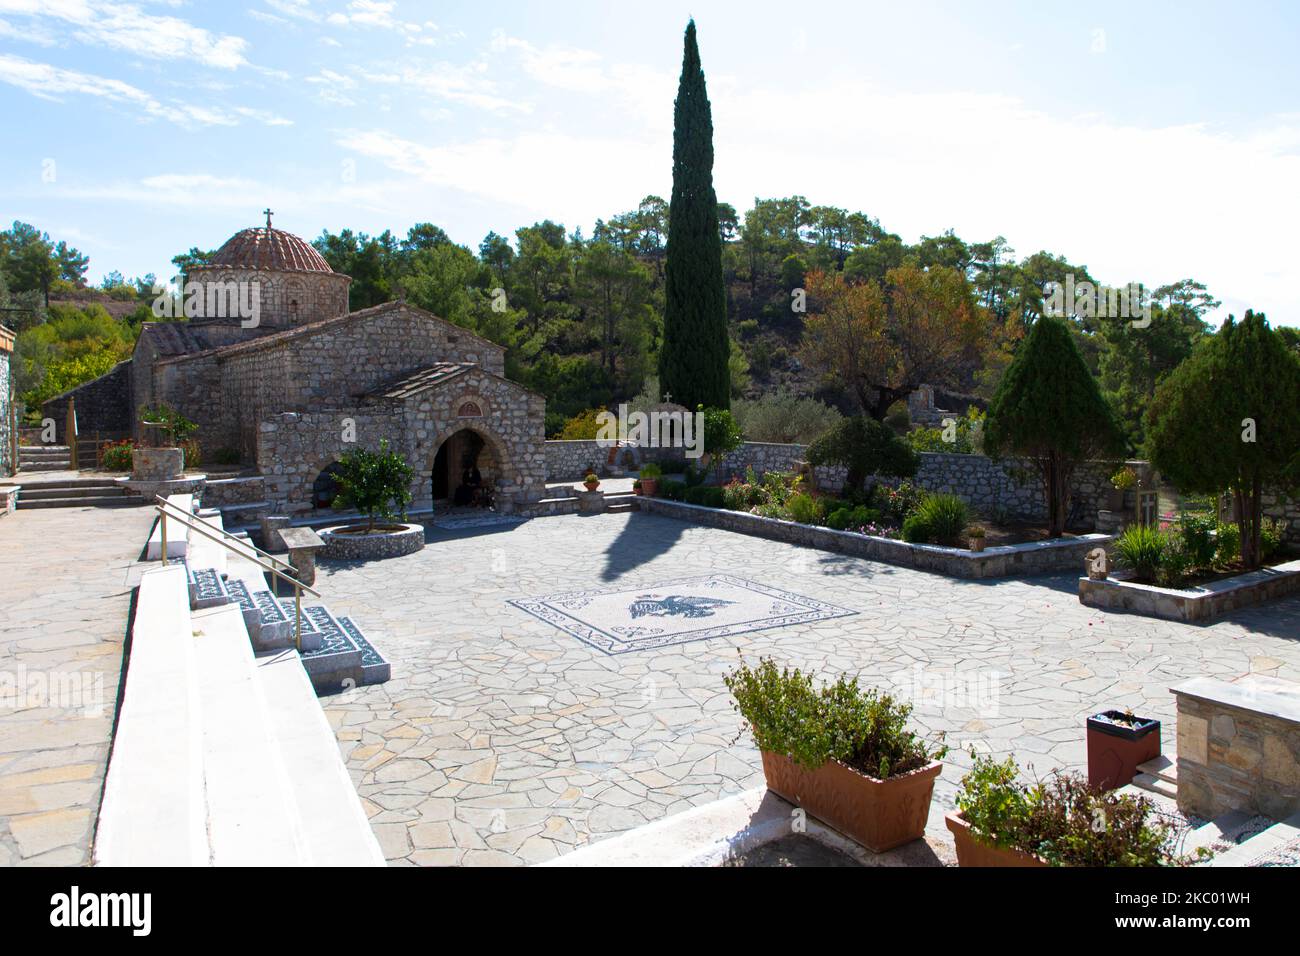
(1229,418)
(721,436)
(865,447)
(844,754)
(1049,409)
(376,483)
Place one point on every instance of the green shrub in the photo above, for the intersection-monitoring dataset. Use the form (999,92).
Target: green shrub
(866,730)
(1227,544)
(839,519)
(1176,561)
(804,508)
(1140,549)
(916,530)
(651,469)
(944,518)
(1058,821)
(784,417)
(176,428)
(898,502)
(673,490)
(1270,538)
(865,447)
(1196,532)
(740,495)
(772,509)
(709,496)
(117,455)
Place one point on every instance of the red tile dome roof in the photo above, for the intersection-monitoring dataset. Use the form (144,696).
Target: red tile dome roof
(271,249)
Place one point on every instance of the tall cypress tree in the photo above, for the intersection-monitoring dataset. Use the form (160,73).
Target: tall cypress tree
(693,362)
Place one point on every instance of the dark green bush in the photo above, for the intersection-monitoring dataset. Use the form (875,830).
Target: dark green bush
(672,489)
(1140,549)
(804,508)
(939,519)
(865,730)
(916,530)
(710,496)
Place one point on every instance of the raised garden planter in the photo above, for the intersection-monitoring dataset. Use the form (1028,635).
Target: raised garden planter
(1191,605)
(1117,743)
(1039,557)
(972,851)
(354,543)
(879,814)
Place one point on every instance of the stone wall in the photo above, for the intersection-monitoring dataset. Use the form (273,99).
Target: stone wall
(229,392)
(293,448)
(7,438)
(1043,557)
(285,299)
(1238,746)
(103,406)
(569,460)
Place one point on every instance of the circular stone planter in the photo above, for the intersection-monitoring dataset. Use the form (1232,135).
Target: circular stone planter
(349,542)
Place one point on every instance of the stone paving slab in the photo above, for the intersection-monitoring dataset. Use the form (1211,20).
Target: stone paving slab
(502,740)
(64,601)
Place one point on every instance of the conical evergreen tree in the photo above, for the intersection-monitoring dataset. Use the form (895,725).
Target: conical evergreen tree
(693,362)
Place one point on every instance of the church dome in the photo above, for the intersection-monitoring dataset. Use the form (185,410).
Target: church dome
(272,250)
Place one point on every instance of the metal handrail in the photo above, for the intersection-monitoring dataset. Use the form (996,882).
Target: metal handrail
(190,516)
(195,523)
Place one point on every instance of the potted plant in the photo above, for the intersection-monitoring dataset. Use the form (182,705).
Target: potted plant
(636,486)
(1117,742)
(1062,822)
(1121,483)
(843,754)
(975,535)
(591,482)
(650,475)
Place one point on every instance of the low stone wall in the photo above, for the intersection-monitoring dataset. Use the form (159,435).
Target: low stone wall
(1238,746)
(104,405)
(1195,605)
(371,547)
(1009,560)
(221,492)
(569,460)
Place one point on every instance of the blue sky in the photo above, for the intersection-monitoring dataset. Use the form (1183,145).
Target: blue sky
(1149,142)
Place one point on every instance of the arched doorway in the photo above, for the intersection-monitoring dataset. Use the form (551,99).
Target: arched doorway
(458,457)
(326,487)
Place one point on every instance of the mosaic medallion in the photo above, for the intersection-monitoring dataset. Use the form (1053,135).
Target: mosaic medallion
(620,620)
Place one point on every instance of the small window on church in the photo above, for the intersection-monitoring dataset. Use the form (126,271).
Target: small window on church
(293,308)
(470,410)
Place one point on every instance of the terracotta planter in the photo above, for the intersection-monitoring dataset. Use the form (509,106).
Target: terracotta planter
(879,814)
(591,485)
(977,544)
(649,487)
(1114,752)
(972,851)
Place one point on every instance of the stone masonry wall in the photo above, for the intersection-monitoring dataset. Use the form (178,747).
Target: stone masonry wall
(1238,746)
(103,405)
(7,465)
(285,299)
(293,448)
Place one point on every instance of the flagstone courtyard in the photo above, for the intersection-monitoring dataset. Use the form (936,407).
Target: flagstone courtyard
(558,681)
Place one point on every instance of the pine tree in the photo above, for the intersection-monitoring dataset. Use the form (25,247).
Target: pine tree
(1048,408)
(693,362)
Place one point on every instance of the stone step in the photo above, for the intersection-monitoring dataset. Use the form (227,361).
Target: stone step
(125,501)
(268,626)
(620,509)
(337,660)
(1161,767)
(207,589)
(311,635)
(37,493)
(152,812)
(334,822)
(252,818)
(1154,784)
(30,468)
(374,669)
(33,449)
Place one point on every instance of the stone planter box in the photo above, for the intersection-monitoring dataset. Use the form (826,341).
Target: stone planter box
(340,545)
(1193,605)
(157,464)
(879,814)
(1042,557)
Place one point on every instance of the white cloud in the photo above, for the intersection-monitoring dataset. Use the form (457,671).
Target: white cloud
(50,82)
(467,84)
(124,26)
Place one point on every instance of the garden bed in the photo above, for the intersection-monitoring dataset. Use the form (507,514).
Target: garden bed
(1192,605)
(1038,557)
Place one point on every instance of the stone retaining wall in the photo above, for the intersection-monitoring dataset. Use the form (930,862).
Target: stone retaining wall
(1196,605)
(1238,746)
(1009,560)
(103,406)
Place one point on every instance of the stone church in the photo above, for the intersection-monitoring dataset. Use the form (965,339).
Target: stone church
(290,393)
